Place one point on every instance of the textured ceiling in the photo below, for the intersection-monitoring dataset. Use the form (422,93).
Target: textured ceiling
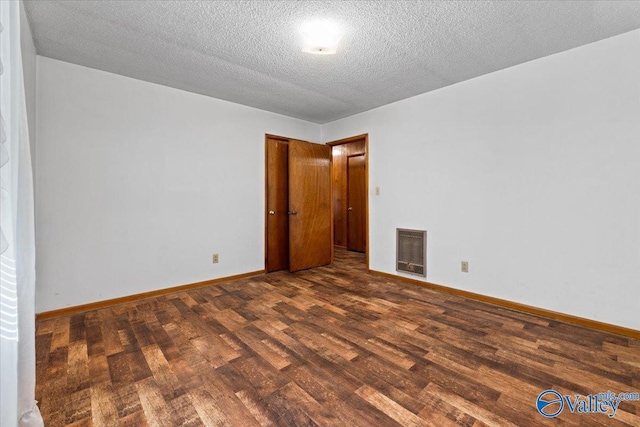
(249,52)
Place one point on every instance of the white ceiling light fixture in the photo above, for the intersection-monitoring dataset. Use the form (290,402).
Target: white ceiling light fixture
(321,37)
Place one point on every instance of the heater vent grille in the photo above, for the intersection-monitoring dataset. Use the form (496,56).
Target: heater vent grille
(411,251)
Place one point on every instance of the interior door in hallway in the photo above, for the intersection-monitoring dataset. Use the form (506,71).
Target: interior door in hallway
(277,219)
(356,210)
(310,211)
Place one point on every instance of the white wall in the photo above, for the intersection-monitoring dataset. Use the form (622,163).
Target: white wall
(29,73)
(532,174)
(139,184)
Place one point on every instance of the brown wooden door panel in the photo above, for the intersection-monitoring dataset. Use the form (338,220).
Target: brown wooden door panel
(357,206)
(310,239)
(277,205)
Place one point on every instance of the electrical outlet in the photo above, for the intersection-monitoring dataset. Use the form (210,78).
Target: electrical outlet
(464,266)
(215,258)
(377,191)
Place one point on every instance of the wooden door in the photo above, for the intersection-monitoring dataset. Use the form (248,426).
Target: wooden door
(310,222)
(277,205)
(356,205)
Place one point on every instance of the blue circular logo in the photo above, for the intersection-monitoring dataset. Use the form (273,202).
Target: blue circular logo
(545,403)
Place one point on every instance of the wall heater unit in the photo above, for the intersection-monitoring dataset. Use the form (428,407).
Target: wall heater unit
(411,251)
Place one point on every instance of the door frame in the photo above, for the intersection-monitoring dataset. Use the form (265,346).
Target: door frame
(364,136)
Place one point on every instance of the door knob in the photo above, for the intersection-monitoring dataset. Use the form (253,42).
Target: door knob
(293,213)
(272,213)
(350,208)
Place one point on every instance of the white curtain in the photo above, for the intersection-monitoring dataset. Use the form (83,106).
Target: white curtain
(17,243)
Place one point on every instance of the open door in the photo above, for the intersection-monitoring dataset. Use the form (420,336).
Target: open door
(310,219)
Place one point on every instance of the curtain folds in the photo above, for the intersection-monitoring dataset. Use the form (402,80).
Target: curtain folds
(17,239)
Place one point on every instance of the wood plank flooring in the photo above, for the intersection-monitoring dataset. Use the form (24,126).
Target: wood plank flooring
(331,346)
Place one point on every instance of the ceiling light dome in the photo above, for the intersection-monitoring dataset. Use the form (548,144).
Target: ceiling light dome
(321,37)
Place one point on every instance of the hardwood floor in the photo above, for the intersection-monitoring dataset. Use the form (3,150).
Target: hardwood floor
(328,346)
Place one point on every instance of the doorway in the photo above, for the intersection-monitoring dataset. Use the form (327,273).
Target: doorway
(298,217)
(350,194)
